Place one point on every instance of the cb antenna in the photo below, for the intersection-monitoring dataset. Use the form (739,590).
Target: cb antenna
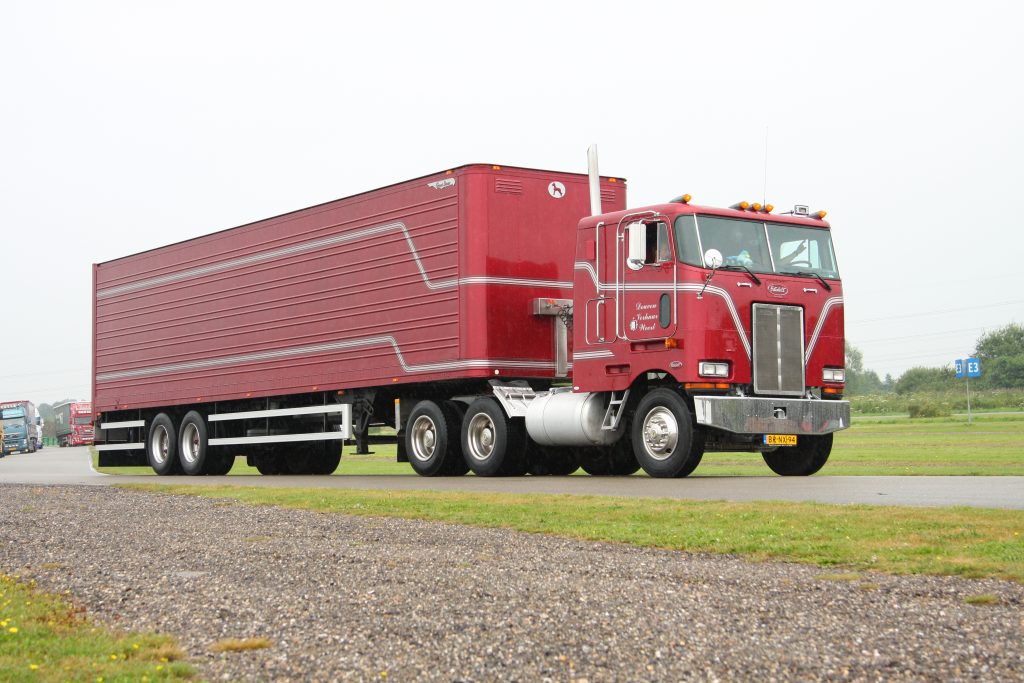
(764,189)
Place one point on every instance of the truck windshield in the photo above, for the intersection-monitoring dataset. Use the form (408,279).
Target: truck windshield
(758,246)
(11,413)
(14,426)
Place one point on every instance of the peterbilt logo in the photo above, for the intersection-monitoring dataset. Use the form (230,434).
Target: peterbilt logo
(778,290)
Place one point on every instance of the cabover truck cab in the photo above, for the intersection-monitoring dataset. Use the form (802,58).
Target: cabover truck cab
(486,318)
(19,427)
(73,423)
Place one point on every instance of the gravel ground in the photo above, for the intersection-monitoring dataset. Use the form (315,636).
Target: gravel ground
(347,598)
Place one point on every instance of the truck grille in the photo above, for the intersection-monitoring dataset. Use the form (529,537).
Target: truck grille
(778,350)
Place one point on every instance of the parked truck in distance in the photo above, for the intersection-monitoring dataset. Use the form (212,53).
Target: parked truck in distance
(504,321)
(73,423)
(20,427)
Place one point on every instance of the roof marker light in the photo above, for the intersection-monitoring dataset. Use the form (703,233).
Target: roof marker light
(820,214)
(768,208)
(741,206)
(756,207)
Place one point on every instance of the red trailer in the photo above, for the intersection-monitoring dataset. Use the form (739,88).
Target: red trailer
(443,306)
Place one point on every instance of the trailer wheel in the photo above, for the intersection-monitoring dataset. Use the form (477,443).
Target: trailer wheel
(268,461)
(663,437)
(194,446)
(220,462)
(162,446)
(494,444)
(432,439)
(805,458)
(328,457)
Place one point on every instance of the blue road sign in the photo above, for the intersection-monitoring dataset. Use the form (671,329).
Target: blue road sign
(974,367)
(958,365)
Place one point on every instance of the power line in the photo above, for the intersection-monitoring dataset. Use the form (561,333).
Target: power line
(940,312)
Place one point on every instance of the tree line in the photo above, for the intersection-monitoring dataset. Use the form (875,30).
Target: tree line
(1002,367)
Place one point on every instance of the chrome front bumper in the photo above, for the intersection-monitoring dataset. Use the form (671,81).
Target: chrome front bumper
(749,415)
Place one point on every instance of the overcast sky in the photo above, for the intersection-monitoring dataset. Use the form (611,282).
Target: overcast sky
(128,125)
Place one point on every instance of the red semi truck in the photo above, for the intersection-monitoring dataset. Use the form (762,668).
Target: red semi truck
(73,423)
(502,320)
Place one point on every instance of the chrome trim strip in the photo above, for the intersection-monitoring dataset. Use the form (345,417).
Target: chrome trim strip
(120,447)
(122,425)
(280,412)
(313,245)
(278,438)
(323,348)
(825,310)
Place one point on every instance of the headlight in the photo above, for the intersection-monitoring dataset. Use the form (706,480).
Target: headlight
(708,369)
(833,375)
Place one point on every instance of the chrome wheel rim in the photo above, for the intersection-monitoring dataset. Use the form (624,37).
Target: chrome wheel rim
(481,436)
(159,445)
(190,443)
(661,433)
(424,438)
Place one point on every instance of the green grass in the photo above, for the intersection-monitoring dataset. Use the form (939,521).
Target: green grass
(946,541)
(44,638)
(991,445)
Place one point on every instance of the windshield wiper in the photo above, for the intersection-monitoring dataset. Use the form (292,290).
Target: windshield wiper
(736,266)
(804,273)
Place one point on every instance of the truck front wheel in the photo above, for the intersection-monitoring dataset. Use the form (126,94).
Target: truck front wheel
(805,458)
(162,446)
(493,443)
(663,438)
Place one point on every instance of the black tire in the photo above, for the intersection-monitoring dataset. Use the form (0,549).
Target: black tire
(327,457)
(298,458)
(804,459)
(552,461)
(221,461)
(663,435)
(162,446)
(493,443)
(194,450)
(432,439)
(268,461)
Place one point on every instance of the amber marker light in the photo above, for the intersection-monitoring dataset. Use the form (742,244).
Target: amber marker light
(742,206)
(671,343)
(756,207)
(821,214)
(705,385)
(496,168)
(686,199)
(832,390)
(768,208)
(612,180)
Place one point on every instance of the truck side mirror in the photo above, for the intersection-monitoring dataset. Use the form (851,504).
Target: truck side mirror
(637,238)
(713,259)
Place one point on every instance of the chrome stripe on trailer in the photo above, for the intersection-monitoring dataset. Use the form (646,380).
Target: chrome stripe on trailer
(279,438)
(122,425)
(313,245)
(119,447)
(280,412)
(323,348)
(588,355)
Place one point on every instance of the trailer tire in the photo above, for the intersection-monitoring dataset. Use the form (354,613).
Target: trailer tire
(194,451)
(616,460)
(268,461)
(328,457)
(663,438)
(804,459)
(432,438)
(494,444)
(222,459)
(162,446)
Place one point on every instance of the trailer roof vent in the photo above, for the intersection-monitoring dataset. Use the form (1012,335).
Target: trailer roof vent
(607,194)
(508,186)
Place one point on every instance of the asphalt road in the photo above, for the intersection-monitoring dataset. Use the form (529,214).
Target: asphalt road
(73,466)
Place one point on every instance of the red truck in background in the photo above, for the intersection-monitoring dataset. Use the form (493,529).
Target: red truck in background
(73,423)
(502,320)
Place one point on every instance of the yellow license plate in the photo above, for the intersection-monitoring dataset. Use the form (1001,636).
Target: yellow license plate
(780,439)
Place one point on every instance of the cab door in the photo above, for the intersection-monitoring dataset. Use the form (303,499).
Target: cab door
(646,279)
